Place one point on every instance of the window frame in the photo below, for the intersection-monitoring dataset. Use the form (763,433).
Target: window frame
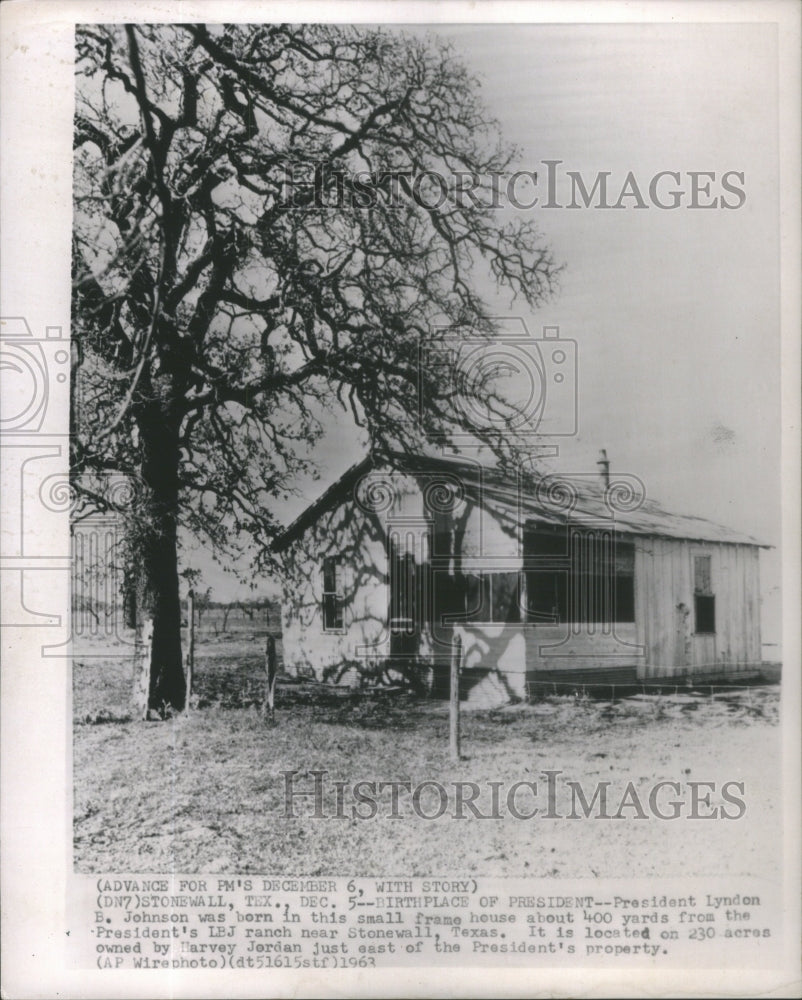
(708,594)
(485,578)
(602,591)
(335,596)
(403,567)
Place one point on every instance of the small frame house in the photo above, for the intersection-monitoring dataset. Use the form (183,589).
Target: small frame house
(545,577)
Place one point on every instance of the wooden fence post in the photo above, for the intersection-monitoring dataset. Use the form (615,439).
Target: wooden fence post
(453,712)
(142,650)
(190,645)
(271,668)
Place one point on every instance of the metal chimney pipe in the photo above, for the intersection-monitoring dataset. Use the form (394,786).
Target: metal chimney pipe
(604,467)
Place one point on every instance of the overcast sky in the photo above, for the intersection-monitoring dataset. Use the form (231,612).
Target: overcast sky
(675,313)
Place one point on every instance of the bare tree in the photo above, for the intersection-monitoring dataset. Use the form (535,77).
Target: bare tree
(227,609)
(236,277)
(203,603)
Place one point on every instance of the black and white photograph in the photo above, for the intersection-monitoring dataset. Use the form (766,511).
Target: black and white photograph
(401,507)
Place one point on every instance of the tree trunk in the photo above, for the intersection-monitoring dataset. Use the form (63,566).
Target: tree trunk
(159,606)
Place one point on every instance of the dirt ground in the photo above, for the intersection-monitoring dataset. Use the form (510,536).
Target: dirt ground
(204,792)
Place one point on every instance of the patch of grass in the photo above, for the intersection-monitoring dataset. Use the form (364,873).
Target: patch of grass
(205,792)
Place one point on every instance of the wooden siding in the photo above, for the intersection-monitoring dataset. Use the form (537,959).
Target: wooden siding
(566,647)
(664,607)
(582,654)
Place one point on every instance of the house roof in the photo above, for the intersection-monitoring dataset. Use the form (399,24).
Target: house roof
(532,495)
